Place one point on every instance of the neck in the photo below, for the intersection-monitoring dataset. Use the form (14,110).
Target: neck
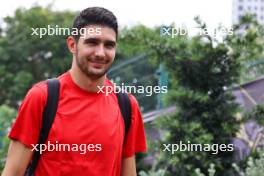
(85,82)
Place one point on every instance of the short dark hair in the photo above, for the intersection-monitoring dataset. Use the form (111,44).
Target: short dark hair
(95,16)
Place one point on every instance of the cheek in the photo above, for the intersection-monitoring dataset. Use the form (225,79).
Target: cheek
(111,55)
(84,51)
(87,51)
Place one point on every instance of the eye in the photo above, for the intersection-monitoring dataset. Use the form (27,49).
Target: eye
(92,43)
(110,45)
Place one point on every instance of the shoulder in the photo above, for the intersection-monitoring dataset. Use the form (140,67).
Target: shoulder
(37,93)
(39,88)
(135,108)
(133,100)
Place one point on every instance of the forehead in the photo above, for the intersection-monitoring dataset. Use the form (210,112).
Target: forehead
(99,32)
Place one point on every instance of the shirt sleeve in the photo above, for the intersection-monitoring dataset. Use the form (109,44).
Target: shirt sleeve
(135,140)
(27,125)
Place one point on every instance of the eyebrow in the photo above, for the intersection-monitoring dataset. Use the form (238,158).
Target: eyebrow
(88,40)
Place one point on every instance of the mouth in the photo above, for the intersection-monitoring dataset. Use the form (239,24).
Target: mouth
(97,64)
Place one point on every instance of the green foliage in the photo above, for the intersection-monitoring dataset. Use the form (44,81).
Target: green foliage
(256,114)
(211,171)
(154,171)
(133,43)
(6,116)
(255,167)
(136,40)
(25,58)
(202,70)
(247,44)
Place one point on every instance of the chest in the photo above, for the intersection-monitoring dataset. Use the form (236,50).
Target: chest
(88,120)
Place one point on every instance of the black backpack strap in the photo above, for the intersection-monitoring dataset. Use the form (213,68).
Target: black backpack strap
(125,108)
(47,120)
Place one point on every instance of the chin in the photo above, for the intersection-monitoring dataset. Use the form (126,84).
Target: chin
(96,73)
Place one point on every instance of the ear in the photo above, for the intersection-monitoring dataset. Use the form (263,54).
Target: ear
(71,44)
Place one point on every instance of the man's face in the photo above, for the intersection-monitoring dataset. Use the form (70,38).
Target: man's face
(95,51)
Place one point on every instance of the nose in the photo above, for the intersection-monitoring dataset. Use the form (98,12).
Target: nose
(100,51)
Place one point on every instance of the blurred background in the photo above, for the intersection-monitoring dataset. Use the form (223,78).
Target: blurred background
(214,77)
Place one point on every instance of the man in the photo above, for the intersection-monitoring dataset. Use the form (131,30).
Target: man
(84,116)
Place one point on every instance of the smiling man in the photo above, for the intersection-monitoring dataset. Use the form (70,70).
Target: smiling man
(88,135)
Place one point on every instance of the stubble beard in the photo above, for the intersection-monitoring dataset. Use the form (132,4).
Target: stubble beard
(83,66)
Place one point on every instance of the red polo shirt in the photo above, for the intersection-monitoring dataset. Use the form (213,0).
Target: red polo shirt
(91,126)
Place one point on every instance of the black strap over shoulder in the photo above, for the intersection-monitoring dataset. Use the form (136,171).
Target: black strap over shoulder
(125,108)
(47,120)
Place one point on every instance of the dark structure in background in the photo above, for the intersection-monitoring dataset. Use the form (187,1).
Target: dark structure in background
(250,94)
(251,134)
